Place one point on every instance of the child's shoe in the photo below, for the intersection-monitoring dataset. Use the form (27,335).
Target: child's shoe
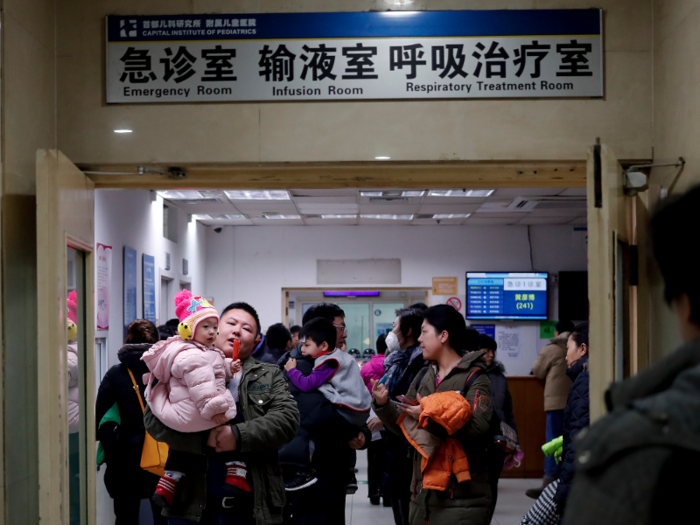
(236,483)
(165,492)
(301,480)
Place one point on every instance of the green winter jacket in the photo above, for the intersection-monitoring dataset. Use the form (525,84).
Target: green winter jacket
(271,419)
(462,503)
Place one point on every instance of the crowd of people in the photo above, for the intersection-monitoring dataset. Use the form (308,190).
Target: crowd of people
(266,429)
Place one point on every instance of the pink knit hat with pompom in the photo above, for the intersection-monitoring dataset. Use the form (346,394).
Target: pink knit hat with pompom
(72,303)
(190,310)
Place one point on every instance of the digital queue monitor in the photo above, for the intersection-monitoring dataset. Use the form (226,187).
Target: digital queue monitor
(506,295)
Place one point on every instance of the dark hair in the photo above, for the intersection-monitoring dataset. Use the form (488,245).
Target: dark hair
(671,230)
(419,306)
(278,336)
(444,318)
(410,320)
(246,308)
(325,310)
(580,335)
(319,330)
(564,326)
(381,344)
(295,329)
(172,323)
(141,331)
(489,343)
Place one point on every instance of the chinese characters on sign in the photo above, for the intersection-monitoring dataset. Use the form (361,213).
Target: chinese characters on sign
(435,54)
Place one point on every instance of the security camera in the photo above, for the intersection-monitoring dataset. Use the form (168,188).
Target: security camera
(218,230)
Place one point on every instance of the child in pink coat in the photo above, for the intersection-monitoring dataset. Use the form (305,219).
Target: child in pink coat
(191,393)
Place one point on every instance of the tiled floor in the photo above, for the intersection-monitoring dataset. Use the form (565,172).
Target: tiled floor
(512,502)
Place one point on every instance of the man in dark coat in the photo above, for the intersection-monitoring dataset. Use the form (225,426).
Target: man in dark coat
(637,465)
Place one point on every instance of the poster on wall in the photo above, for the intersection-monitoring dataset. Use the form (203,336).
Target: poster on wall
(540,53)
(103,272)
(130,271)
(486,329)
(444,285)
(149,288)
(509,340)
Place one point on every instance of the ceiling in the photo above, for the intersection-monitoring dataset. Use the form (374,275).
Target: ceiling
(504,206)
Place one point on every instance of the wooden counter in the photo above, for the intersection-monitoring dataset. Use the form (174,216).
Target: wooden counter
(531,419)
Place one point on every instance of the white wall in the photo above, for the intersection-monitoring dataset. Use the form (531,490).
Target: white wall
(130,218)
(253,264)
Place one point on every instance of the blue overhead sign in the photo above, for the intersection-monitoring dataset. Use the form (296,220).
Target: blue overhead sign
(377,55)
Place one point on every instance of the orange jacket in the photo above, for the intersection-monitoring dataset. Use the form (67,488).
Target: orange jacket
(440,458)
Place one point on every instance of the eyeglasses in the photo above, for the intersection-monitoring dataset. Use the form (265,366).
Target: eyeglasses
(343,329)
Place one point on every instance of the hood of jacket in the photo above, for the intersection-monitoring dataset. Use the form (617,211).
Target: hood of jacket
(655,379)
(561,340)
(579,366)
(496,367)
(130,357)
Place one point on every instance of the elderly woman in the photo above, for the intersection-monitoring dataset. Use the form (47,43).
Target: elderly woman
(446,415)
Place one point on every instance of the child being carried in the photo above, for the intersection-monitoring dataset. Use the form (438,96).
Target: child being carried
(335,375)
(191,393)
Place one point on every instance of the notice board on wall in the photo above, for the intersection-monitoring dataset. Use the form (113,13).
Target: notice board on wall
(354,56)
(149,288)
(130,284)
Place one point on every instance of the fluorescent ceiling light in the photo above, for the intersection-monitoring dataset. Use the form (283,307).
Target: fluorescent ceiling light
(451,215)
(460,193)
(393,193)
(274,216)
(257,195)
(382,157)
(339,216)
(189,195)
(123,130)
(201,217)
(389,217)
(223,217)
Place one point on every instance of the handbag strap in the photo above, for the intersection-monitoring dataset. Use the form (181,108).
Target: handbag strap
(136,389)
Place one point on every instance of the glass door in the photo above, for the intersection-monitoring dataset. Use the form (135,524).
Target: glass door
(384,315)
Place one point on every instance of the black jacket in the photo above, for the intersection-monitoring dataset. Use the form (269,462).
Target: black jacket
(270,355)
(123,445)
(501,399)
(576,417)
(320,418)
(637,465)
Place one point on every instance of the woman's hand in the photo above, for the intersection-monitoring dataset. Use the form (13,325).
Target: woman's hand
(236,366)
(375,424)
(411,410)
(291,363)
(381,394)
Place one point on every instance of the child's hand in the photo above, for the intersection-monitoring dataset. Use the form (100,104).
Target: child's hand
(291,363)
(236,366)
(220,419)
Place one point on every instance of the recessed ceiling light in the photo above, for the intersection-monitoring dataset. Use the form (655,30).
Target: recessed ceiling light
(393,193)
(201,217)
(412,193)
(189,195)
(123,131)
(389,217)
(382,157)
(275,216)
(371,193)
(460,193)
(339,216)
(451,215)
(257,195)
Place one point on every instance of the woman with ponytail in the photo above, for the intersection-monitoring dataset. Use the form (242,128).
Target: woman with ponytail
(127,483)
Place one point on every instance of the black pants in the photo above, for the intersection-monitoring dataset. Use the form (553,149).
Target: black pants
(376,459)
(126,510)
(320,504)
(496,456)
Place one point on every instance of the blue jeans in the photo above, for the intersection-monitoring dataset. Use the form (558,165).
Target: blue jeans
(555,423)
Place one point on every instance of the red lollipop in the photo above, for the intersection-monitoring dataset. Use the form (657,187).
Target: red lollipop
(236,348)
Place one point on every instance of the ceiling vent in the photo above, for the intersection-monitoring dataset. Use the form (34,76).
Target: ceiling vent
(522,204)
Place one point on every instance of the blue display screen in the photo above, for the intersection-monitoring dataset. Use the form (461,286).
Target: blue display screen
(506,295)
